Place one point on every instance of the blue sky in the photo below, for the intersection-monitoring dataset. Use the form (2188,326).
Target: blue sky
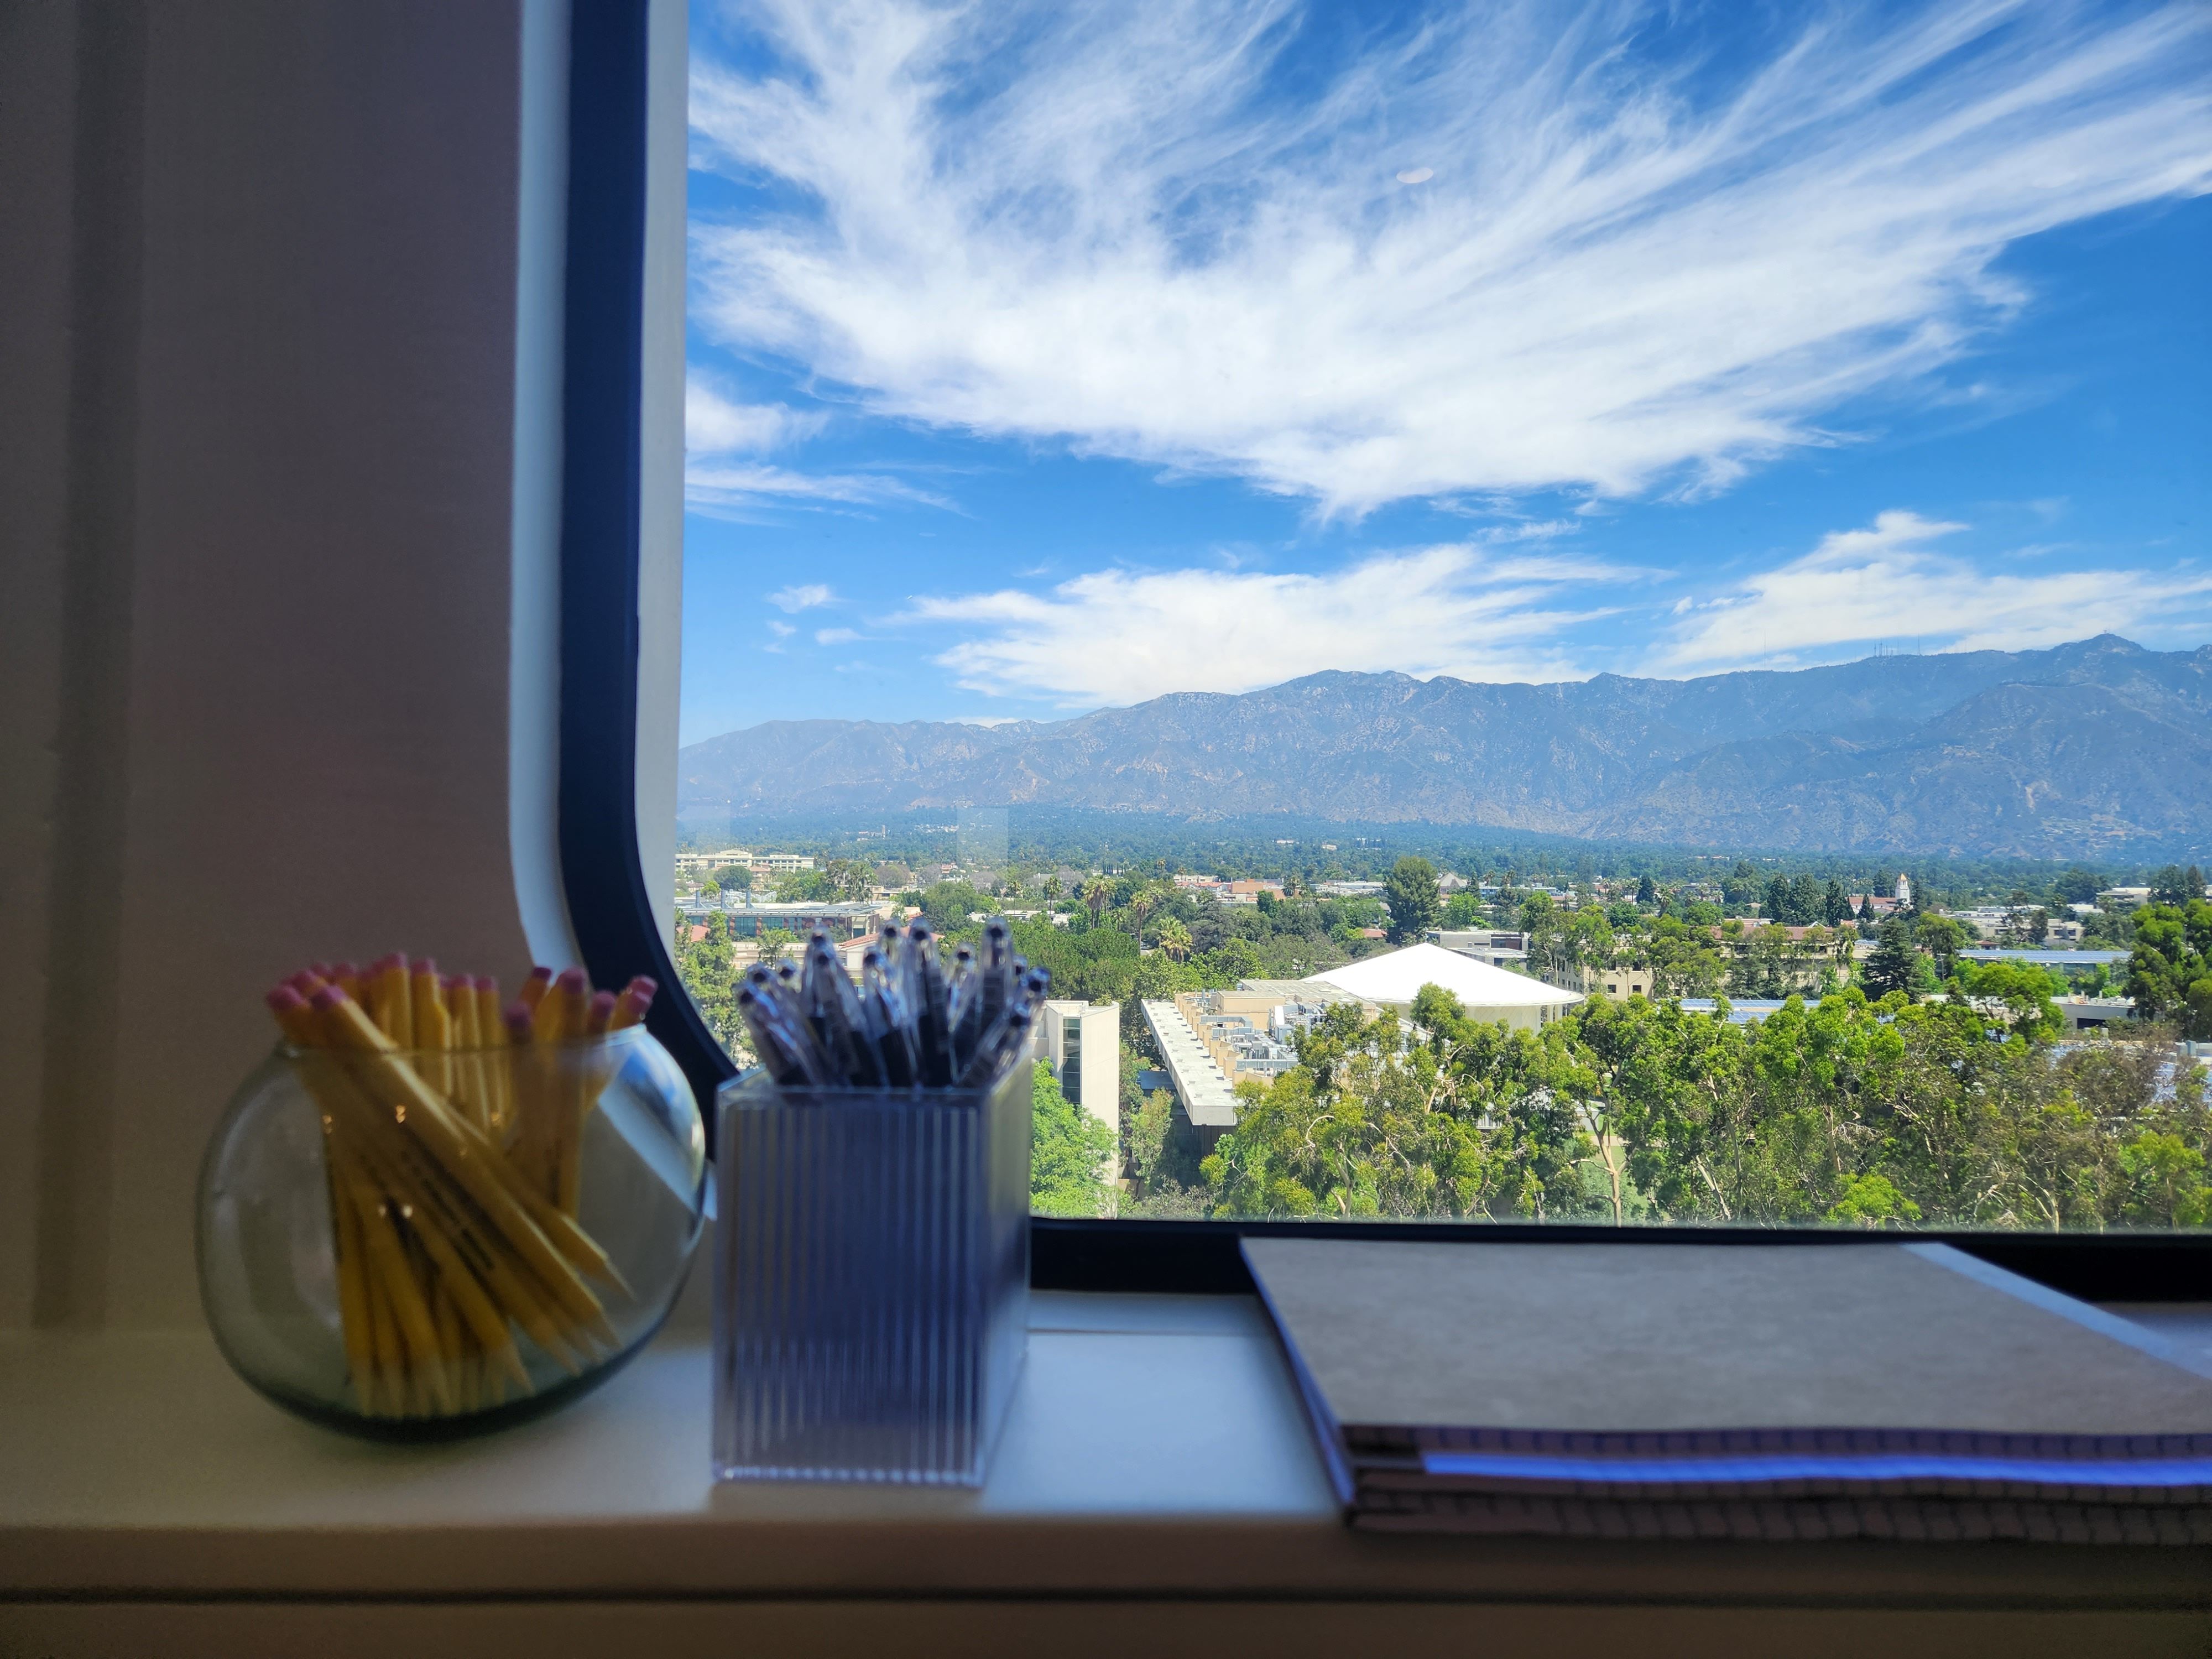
(1048,358)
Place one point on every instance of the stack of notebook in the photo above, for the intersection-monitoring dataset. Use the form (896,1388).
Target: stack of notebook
(1763,1391)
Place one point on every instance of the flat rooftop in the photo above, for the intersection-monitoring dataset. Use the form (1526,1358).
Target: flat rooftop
(1207,1099)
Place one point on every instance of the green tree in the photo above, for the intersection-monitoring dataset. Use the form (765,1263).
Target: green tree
(1894,966)
(1071,1153)
(948,905)
(1646,892)
(2166,1182)
(848,879)
(1942,938)
(1097,893)
(1835,905)
(2022,989)
(706,971)
(1410,890)
(2175,886)
(2170,968)
(1465,909)
(1870,1201)
(2076,886)
(1173,940)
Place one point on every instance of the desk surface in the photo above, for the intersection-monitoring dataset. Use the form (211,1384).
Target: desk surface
(1155,1448)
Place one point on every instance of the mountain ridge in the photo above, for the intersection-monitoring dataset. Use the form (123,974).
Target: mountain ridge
(2086,749)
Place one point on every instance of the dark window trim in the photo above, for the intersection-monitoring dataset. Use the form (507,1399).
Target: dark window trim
(1201,1258)
(603,349)
(608,904)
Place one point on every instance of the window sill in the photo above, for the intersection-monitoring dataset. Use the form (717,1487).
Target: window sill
(1156,1451)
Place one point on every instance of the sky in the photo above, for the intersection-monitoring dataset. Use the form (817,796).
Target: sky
(1045,358)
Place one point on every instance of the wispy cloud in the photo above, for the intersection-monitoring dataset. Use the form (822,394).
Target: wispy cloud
(835,636)
(1138,226)
(804,596)
(1888,582)
(1119,637)
(738,487)
(724,438)
(714,424)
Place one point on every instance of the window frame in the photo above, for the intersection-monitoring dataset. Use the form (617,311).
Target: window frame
(609,905)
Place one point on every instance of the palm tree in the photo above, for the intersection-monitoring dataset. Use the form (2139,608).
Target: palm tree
(1142,901)
(1175,939)
(1096,893)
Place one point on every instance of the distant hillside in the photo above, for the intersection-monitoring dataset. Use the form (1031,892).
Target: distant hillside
(2094,749)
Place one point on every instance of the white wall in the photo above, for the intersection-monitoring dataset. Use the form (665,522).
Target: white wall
(258,419)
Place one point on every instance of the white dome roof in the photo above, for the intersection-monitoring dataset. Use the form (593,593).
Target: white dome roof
(1397,976)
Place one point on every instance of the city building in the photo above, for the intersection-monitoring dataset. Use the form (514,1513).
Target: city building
(1483,944)
(2094,1014)
(705,864)
(1490,993)
(1247,1034)
(846,919)
(1083,1041)
(1622,981)
(1349,888)
(781,864)
(1204,1099)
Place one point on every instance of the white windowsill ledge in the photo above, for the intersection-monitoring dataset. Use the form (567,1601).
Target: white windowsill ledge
(1156,1450)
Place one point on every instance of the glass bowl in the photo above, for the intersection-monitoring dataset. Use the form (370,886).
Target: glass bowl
(420,1244)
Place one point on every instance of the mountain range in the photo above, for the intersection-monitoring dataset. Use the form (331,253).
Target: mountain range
(2096,749)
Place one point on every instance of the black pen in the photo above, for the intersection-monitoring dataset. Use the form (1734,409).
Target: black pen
(926,995)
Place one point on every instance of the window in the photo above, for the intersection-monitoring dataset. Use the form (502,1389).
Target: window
(1570,619)
(1071,1065)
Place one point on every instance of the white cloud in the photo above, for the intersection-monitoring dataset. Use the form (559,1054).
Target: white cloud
(716,425)
(720,433)
(1861,588)
(801,597)
(736,488)
(781,631)
(1119,637)
(1112,222)
(834,635)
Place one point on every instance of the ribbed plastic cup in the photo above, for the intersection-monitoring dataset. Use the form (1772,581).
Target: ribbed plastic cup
(871,1275)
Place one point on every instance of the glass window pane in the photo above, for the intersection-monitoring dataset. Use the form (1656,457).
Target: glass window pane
(1540,612)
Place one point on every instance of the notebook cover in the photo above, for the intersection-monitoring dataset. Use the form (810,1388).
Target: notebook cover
(1406,1346)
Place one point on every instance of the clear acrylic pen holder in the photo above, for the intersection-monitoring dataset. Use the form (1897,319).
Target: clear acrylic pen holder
(871,1272)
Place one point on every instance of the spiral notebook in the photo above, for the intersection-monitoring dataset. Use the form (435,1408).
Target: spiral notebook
(1735,1390)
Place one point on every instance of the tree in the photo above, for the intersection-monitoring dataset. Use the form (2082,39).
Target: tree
(2076,886)
(1781,902)
(707,970)
(1071,1153)
(948,905)
(1410,890)
(2023,990)
(1174,938)
(1097,893)
(1894,965)
(1835,906)
(1942,938)
(1739,887)
(848,879)
(1646,892)
(2170,969)
(2175,886)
